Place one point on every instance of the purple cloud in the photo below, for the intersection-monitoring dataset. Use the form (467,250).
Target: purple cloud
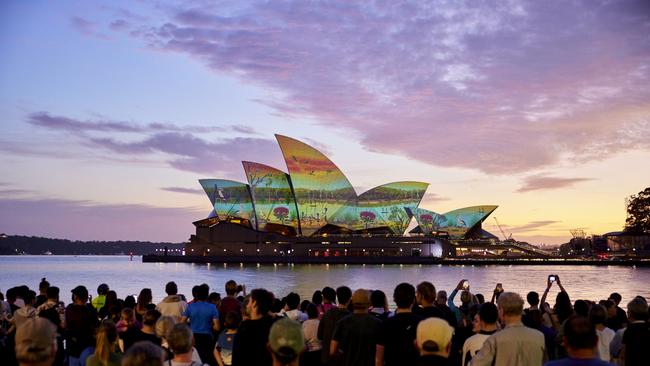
(82,25)
(45,119)
(541,182)
(183,190)
(85,220)
(499,87)
(119,25)
(194,154)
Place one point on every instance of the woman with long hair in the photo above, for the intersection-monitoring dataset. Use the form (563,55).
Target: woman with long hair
(105,354)
(144,300)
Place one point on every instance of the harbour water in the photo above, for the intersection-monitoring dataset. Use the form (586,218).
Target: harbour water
(129,276)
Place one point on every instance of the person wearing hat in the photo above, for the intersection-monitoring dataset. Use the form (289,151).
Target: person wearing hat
(355,337)
(81,322)
(433,340)
(286,342)
(36,342)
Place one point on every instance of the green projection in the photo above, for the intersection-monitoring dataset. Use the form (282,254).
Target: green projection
(320,188)
(383,206)
(230,199)
(272,195)
(456,222)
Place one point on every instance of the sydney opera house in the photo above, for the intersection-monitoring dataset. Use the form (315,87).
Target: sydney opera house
(314,211)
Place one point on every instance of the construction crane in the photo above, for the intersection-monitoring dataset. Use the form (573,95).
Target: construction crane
(505,238)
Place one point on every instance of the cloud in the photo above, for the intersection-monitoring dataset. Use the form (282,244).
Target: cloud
(531,226)
(45,119)
(119,25)
(500,87)
(86,220)
(179,145)
(540,182)
(183,190)
(82,25)
(194,154)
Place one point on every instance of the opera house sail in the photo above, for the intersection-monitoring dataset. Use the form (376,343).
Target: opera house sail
(313,200)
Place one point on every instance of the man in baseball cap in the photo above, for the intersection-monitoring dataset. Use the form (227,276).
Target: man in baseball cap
(286,342)
(36,342)
(433,340)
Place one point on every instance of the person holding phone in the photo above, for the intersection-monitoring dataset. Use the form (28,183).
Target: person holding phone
(563,308)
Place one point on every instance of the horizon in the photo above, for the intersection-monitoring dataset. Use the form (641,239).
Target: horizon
(112,111)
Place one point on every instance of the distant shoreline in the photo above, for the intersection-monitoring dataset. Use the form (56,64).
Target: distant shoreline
(391,260)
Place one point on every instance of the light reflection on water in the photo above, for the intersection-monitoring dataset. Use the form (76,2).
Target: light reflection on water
(129,277)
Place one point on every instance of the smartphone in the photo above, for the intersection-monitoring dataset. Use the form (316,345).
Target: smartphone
(499,287)
(552,278)
(466,285)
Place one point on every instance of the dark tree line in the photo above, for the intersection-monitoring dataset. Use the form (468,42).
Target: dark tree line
(38,245)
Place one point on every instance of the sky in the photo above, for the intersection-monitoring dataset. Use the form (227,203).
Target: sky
(111,111)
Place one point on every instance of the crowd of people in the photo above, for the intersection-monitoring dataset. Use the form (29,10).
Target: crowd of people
(335,327)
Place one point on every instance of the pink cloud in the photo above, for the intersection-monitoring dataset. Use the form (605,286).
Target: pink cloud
(542,182)
(499,87)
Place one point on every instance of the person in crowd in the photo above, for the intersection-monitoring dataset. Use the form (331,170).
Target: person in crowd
(128,329)
(249,347)
(395,344)
(181,340)
(105,348)
(100,300)
(172,304)
(580,340)
(636,337)
(441,303)
(355,338)
(331,317)
(148,330)
(286,342)
(317,299)
(516,344)
(562,309)
(597,316)
(54,311)
(433,341)
(329,298)
(291,310)
(229,302)
(226,339)
(314,346)
(42,293)
(27,311)
(112,306)
(164,325)
(581,307)
(129,302)
(379,305)
(462,312)
(619,319)
(215,299)
(144,300)
(484,325)
(425,297)
(533,304)
(80,322)
(480,299)
(203,318)
(498,290)
(143,353)
(550,335)
(35,342)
